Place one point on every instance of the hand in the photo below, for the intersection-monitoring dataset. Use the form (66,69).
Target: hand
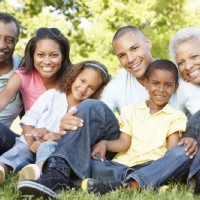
(34,147)
(48,136)
(70,122)
(36,132)
(191,146)
(99,149)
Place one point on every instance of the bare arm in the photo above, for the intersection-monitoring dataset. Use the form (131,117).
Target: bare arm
(119,145)
(173,140)
(26,129)
(10,90)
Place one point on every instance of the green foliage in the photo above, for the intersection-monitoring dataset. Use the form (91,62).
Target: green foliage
(91,24)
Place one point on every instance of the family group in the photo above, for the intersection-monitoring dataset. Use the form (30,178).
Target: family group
(67,113)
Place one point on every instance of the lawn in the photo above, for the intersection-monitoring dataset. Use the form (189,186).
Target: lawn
(8,191)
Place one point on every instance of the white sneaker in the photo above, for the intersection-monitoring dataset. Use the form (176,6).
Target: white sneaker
(2,174)
(31,172)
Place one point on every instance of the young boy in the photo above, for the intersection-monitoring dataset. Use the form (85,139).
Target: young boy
(148,131)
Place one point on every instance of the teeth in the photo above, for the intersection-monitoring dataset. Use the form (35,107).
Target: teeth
(47,69)
(195,73)
(136,65)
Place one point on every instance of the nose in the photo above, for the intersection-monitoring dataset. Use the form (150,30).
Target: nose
(47,60)
(84,88)
(161,88)
(188,64)
(130,57)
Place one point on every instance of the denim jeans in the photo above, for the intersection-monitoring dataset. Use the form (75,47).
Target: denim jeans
(75,147)
(45,150)
(173,165)
(100,123)
(7,138)
(18,156)
(193,130)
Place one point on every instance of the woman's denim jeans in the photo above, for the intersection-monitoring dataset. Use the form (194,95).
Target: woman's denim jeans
(100,123)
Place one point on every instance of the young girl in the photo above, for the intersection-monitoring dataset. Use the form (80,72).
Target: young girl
(82,81)
(46,58)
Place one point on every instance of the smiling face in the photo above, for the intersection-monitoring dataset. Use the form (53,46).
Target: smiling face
(161,84)
(8,40)
(188,60)
(85,85)
(47,58)
(133,52)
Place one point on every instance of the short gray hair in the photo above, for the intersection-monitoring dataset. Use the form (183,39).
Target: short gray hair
(181,36)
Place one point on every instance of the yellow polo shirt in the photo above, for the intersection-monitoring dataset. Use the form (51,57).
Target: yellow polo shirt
(148,131)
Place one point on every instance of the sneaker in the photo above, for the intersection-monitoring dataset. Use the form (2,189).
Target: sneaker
(30,171)
(101,187)
(55,178)
(2,174)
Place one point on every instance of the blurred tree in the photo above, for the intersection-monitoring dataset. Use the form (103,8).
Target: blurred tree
(91,24)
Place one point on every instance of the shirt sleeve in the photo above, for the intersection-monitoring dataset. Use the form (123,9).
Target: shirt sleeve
(191,95)
(109,95)
(35,113)
(125,122)
(178,122)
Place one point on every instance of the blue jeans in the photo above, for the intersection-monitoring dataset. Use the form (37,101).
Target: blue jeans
(173,165)
(100,123)
(45,150)
(193,130)
(18,156)
(7,138)
(75,147)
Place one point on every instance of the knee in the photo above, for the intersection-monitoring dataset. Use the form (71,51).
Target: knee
(90,103)
(178,151)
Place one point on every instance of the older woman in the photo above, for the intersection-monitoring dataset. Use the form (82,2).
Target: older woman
(184,49)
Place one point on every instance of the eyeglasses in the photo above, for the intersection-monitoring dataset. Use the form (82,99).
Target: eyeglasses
(48,31)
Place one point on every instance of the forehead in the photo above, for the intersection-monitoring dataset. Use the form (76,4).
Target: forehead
(8,29)
(128,39)
(159,74)
(90,71)
(188,46)
(47,44)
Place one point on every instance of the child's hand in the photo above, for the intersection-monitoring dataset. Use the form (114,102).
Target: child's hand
(50,136)
(99,149)
(34,147)
(36,132)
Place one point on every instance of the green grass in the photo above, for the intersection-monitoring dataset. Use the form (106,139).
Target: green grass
(8,191)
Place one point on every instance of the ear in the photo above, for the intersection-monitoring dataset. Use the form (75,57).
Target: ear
(148,42)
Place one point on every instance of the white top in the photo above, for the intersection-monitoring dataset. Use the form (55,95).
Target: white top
(47,111)
(125,89)
(12,110)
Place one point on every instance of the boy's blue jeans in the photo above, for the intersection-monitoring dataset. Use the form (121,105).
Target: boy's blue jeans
(101,124)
